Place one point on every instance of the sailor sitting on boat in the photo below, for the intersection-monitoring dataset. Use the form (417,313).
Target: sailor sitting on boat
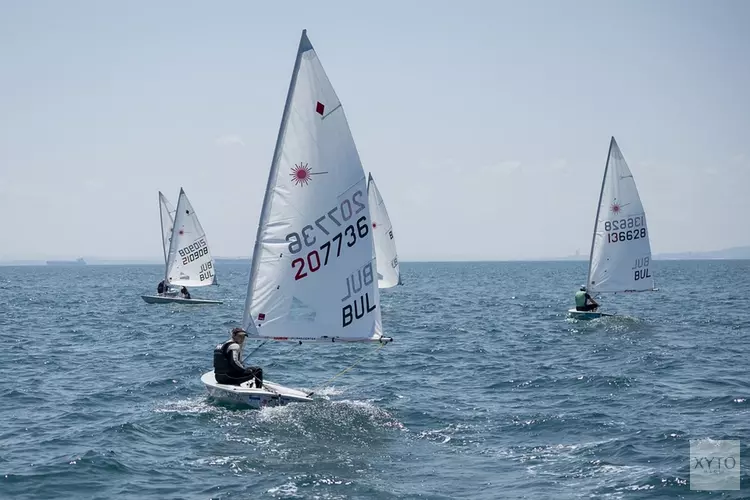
(185,293)
(584,302)
(161,288)
(228,367)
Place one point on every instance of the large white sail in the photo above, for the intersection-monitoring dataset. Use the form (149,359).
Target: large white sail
(313,277)
(389,274)
(620,249)
(166,215)
(189,261)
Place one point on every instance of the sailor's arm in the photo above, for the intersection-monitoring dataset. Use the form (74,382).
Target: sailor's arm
(236,361)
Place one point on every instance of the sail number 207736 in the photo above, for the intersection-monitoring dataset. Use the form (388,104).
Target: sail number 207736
(327,224)
(632,228)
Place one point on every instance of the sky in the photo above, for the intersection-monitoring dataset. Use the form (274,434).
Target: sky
(486,124)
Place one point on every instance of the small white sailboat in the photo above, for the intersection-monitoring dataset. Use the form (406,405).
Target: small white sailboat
(187,257)
(313,278)
(620,248)
(386,258)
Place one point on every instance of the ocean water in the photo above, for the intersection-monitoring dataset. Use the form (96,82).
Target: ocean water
(488,391)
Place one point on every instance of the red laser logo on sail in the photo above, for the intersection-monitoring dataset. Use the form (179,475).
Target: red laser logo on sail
(301,174)
(615,208)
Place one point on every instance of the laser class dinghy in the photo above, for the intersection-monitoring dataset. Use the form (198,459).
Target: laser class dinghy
(313,276)
(620,248)
(187,257)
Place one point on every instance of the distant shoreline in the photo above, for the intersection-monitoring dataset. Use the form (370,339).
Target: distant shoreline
(42,263)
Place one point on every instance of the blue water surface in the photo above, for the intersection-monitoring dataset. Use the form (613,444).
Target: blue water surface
(488,391)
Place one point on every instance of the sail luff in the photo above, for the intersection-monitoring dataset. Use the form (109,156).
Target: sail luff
(167,223)
(247,322)
(598,210)
(172,247)
(161,223)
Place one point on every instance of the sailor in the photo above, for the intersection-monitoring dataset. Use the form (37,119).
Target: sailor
(160,288)
(584,302)
(228,367)
(185,293)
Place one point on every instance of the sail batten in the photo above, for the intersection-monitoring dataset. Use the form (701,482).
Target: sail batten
(620,249)
(313,274)
(389,272)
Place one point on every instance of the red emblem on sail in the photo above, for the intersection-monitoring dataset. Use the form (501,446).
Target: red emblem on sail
(319,108)
(301,174)
(261,317)
(615,208)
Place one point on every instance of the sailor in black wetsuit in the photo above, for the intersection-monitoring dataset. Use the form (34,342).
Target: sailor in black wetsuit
(160,288)
(228,367)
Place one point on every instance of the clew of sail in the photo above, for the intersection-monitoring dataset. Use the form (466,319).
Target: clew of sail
(620,249)
(313,277)
(166,216)
(189,260)
(389,274)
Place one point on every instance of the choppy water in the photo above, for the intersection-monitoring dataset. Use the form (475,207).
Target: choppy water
(487,392)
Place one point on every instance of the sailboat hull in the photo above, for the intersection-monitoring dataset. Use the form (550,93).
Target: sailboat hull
(165,299)
(585,315)
(270,394)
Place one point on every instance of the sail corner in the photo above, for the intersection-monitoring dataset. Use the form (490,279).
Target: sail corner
(304,43)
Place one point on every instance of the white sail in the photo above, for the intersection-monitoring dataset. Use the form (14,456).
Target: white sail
(620,249)
(313,277)
(189,261)
(166,215)
(389,274)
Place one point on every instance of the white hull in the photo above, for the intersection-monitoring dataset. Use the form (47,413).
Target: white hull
(167,299)
(270,394)
(583,315)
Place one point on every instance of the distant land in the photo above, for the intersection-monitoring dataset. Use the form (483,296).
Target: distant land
(736,253)
(93,261)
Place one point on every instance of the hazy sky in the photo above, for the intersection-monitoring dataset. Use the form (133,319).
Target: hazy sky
(485,124)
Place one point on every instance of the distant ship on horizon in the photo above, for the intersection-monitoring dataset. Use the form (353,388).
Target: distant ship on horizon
(77,262)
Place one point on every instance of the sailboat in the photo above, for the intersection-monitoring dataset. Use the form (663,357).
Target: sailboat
(620,249)
(187,257)
(389,273)
(312,278)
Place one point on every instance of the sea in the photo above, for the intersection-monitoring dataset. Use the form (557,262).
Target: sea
(488,391)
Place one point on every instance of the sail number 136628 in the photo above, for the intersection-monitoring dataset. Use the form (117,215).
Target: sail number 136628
(632,228)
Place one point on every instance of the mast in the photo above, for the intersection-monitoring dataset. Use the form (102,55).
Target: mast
(304,46)
(598,209)
(171,238)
